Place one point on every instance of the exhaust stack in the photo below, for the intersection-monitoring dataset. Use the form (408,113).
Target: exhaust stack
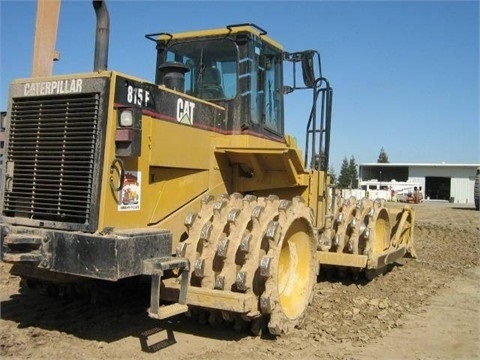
(102,36)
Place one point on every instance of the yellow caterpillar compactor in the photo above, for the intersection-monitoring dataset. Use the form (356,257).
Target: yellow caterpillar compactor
(190,180)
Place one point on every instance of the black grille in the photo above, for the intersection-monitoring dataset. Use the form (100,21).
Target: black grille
(52,146)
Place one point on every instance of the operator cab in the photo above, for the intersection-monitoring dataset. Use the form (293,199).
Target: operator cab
(237,67)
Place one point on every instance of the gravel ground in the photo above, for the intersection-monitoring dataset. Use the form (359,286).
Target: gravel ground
(398,314)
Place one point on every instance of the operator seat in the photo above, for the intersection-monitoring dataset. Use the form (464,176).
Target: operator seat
(210,85)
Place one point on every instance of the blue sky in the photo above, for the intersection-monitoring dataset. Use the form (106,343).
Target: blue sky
(405,74)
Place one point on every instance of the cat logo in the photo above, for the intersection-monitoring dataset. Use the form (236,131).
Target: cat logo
(185,110)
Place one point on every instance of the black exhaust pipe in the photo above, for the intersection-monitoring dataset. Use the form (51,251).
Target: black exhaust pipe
(102,36)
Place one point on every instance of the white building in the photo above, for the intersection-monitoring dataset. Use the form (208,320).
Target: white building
(451,182)
(2,141)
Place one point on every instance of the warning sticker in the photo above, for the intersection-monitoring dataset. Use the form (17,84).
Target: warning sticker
(129,196)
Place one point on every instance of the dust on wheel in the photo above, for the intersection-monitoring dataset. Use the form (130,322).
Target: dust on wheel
(265,247)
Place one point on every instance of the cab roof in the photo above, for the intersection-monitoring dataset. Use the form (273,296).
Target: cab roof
(228,30)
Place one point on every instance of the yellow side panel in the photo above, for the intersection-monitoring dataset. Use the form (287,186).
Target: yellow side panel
(172,188)
(265,165)
(178,146)
(173,169)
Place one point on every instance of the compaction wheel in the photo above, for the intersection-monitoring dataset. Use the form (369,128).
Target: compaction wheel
(265,247)
(368,228)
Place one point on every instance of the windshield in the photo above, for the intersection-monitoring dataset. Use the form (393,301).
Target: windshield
(213,67)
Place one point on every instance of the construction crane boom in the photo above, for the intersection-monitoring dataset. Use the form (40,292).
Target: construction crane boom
(46,26)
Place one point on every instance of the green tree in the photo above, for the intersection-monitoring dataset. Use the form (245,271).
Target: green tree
(344,178)
(348,178)
(352,170)
(382,157)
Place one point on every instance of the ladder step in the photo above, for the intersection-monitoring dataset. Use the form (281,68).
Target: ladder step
(168,311)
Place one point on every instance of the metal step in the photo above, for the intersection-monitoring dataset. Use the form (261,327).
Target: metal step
(167,311)
(155,268)
(211,298)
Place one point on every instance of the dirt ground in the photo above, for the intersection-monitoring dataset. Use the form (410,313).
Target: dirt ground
(424,308)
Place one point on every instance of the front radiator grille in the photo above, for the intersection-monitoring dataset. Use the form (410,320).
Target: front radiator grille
(52,146)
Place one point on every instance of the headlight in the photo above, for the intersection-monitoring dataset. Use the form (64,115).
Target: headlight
(126,118)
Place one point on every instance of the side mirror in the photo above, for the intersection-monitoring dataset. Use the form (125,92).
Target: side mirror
(307,68)
(287,90)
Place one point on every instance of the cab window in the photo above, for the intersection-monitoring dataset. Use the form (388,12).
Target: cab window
(213,67)
(266,82)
